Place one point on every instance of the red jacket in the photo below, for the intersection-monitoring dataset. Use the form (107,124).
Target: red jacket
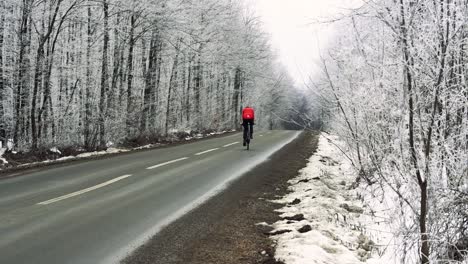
(248,113)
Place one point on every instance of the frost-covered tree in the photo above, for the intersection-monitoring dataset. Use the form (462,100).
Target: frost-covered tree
(87,72)
(396,82)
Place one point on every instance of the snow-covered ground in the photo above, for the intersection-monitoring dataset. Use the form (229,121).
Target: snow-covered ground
(324,221)
(3,160)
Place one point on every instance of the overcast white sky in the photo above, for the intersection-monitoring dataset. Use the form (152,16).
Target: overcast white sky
(295,34)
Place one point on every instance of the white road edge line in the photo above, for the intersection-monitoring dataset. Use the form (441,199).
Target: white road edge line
(84,190)
(204,152)
(166,163)
(228,145)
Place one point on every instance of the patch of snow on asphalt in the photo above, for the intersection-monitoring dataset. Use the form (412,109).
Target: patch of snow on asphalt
(322,216)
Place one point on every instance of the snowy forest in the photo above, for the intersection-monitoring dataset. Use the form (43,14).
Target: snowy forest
(394,87)
(88,72)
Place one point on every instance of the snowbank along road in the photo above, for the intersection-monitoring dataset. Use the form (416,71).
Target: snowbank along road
(99,211)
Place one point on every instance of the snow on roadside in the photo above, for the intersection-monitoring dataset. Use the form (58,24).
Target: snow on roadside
(322,217)
(2,151)
(82,155)
(55,150)
(110,150)
(148,146)
(103,152)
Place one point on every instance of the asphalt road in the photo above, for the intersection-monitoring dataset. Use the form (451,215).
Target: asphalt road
(99,211)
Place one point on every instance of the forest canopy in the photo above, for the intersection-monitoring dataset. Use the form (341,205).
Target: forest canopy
(86,72)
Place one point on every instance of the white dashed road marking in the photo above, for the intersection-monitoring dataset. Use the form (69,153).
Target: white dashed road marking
(83,191)
(228,145)
(207,151)
(166,163)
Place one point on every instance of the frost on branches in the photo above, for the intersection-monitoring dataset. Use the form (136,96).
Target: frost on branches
(80,73)
(394,86)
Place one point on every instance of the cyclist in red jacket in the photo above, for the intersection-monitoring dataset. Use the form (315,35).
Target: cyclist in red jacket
(248,118)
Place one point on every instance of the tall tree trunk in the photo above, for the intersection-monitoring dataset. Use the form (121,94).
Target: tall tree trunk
(37,83)
(112,96)
(41,68)
(104,77)
(153,105)
(46,94)
(155,89)
(183,89)
(88,111)
(150,81)
(47,107)
(144,59)
(424,251)
(122,95)
(2,83)
(218,103)
(236,97)
(172,86)
(189,89)
(198,71)
(222,100)
(131,44)
(23,63)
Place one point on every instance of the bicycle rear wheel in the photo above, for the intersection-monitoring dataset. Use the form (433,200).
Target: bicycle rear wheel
(247,138)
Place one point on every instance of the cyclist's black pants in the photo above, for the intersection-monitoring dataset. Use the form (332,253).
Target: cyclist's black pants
(250,123)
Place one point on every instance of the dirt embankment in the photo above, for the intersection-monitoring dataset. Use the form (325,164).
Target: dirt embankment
(224,229)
